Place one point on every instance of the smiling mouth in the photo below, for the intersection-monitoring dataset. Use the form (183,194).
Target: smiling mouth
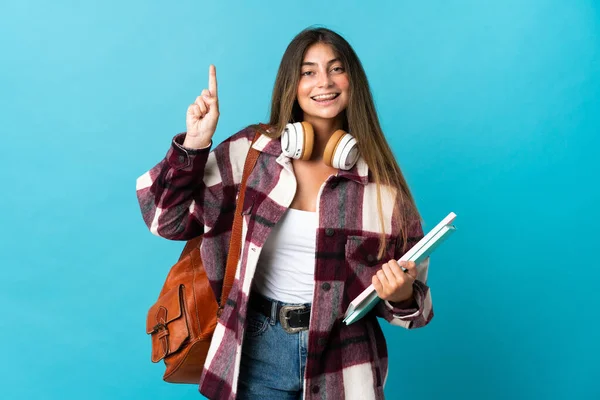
(325,97)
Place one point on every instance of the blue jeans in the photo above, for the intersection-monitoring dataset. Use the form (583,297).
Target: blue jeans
(273,361)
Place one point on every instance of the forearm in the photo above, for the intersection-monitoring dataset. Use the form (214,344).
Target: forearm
(169,192)
(415,312)
(190,188)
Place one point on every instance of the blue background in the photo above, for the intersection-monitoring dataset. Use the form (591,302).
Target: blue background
(492,108)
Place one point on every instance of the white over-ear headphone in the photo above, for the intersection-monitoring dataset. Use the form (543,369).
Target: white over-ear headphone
(297,142)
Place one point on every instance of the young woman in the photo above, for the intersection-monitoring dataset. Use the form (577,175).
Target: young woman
(317,231)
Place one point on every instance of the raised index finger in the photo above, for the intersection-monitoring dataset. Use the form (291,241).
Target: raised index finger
(212,80)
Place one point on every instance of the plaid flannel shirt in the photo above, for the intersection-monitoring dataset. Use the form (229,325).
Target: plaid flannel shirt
(193,192)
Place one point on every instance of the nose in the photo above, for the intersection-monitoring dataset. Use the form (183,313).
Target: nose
(324,80)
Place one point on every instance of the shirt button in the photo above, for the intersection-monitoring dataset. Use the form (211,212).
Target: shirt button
(315,389)
(370,258)
(322,342)
(181,159)
(326,286)
(329,232)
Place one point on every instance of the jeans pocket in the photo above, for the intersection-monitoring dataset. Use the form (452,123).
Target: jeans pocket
(256,323)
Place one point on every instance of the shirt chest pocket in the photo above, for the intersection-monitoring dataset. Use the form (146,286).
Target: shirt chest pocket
(362,251)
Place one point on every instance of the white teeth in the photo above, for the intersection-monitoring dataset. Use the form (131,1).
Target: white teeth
(325,96)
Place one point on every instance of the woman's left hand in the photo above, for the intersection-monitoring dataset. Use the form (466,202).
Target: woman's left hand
(393,284)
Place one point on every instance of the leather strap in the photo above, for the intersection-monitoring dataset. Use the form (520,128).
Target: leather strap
(235,244)
(296,318)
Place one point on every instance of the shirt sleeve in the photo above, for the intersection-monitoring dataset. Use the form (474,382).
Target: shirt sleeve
(420,311)
(191,190)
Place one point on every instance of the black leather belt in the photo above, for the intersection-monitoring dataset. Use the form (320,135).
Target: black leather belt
(293,318)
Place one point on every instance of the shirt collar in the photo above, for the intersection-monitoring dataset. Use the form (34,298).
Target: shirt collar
(267,145)
(358,173)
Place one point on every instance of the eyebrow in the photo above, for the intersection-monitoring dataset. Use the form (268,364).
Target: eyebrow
(309,63)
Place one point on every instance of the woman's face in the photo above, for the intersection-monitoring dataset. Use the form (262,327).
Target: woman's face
(323,87)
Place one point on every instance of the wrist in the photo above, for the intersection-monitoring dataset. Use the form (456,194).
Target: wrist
(406,298)
(406,303)
(195,143)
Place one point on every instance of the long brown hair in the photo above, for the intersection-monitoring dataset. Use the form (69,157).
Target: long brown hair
(360,119)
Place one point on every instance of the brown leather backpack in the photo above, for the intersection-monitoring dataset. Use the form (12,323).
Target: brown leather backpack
(183,319)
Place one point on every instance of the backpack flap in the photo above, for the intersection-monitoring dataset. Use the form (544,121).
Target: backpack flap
(167,324)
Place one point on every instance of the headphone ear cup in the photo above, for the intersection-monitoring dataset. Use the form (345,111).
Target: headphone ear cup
(341,151)
(309,140)
(297,140)
(331,146)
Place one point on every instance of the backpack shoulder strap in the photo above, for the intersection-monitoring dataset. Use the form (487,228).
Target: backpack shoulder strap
(235,244)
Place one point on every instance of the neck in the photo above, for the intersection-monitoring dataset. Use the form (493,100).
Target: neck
(323,129)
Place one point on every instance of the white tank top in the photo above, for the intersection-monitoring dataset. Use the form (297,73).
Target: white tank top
(286,266)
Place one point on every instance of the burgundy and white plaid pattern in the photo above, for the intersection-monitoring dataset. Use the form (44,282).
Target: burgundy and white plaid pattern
(191,192)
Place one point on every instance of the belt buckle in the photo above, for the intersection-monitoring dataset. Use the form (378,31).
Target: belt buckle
(283,318)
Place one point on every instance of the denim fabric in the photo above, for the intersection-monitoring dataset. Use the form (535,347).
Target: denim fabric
(273,361)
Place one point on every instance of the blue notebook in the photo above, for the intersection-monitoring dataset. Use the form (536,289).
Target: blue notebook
(365,301)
